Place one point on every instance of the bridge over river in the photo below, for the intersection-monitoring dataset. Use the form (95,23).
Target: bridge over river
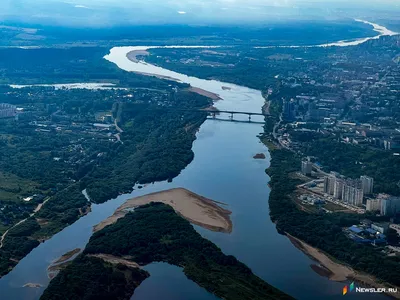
(215,112)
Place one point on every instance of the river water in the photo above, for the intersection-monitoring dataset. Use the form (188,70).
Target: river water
(224,170)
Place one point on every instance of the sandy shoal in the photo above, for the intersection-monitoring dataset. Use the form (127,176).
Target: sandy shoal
(337,271)
(205,93)
(134,54)
(193,207)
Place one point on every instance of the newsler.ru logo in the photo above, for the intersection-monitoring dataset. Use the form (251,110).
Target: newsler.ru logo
(351,287)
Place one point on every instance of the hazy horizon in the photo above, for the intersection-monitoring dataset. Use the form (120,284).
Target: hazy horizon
(105,13)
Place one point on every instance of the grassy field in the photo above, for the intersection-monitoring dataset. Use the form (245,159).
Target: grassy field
(14,188)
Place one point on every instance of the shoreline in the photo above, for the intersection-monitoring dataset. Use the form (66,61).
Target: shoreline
(213,96)
(337,271)
(196,209)
(132,56)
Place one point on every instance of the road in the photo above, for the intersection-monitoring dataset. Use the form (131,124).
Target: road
(118,135)
(37,209)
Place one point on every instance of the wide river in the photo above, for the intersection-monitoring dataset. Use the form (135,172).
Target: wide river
(224,170)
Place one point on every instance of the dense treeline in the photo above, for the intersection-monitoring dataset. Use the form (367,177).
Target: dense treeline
(90,278)
(62,210)
(17,244)
(67,65)
(155,233)
(323,231)
(156,146)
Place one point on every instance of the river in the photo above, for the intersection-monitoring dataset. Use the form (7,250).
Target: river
(224,170)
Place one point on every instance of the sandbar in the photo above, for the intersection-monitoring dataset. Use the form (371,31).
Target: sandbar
(336,271)
(67,256)
(134,54)
(205,93)
(196,209)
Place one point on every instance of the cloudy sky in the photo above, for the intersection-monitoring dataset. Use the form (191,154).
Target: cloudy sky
(122,12)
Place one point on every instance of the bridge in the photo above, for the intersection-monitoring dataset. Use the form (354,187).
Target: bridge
(214,113)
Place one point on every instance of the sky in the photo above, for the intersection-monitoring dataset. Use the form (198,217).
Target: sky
(98,13)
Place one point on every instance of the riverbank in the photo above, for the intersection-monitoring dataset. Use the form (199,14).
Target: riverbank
(67,256)
(337,271)
(194,208)
(205,93)
(307,231)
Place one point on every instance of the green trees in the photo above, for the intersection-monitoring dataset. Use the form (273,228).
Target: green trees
(155,232)
(90,278)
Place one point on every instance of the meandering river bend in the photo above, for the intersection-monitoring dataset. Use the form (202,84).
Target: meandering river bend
(224,170)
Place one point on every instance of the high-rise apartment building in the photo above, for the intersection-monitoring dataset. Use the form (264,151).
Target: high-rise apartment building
(338,189)
(306,167)
(7,110)
(352,193)
(367,184)
(390,205)
(373,204)
(329,184)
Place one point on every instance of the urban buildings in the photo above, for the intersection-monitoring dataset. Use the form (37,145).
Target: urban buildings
(373,233)
(306,167)
(380,227)
(373,205)
(7,110)
(367,184)
(338,189)
(387,205)
(288,110)
(347,190)
(329,184)
(390,205)
(352,192)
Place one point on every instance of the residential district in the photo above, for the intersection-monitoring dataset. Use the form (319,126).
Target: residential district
(343,118)
(333,192)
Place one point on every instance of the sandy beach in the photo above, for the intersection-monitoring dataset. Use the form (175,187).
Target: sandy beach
(134,54)
(194,208)
(202,92)
(336,271)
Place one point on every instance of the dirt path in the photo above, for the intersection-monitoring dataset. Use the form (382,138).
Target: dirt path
(115,260)
(37,209)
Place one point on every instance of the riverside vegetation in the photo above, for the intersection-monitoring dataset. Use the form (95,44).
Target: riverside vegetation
(57,164)
(155,233)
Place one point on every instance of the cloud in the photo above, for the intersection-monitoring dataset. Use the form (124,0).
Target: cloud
(182,12)
(81,6)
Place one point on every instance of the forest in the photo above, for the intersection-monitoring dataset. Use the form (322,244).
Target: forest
(155,233)
(91,278)
(157,146)
(68,156)
(68,65)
